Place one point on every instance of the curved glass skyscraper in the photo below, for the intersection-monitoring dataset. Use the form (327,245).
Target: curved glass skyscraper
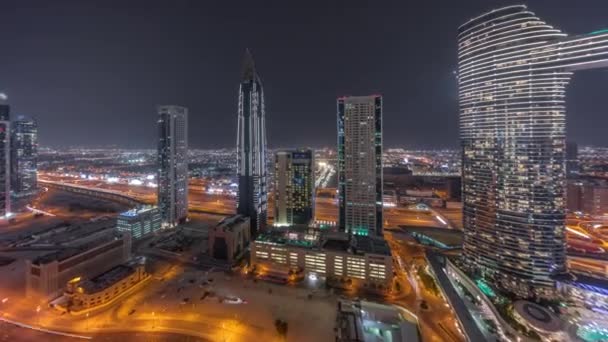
(251,148)
(512,74)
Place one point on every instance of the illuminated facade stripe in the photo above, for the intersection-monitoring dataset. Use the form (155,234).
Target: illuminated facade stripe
(512,74)
(252,171)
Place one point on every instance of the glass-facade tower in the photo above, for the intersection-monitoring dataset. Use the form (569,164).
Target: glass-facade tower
(294,187)
(360,164)
(5,157)
(251,149)
(512,74)
(173,164)
(24,157)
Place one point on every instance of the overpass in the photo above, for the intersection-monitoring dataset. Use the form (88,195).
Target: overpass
(118,196)
(465,319)
(110,195)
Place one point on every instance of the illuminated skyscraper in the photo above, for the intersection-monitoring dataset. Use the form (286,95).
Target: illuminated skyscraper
(294,187)
(360,164)
(513,71)
(5,157)
(572,164)
(173,164)
(24,157)
(251,148)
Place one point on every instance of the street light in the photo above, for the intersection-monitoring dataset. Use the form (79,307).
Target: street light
(38,314)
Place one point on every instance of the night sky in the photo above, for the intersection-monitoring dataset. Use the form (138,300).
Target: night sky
(92,72)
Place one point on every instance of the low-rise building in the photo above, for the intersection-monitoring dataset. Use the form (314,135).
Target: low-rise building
(361,321)
(47,275)
(228,240)
(85,294)
(587,295)
(411,196)
(139,222)
(389,198)
(340,259)
(588,196)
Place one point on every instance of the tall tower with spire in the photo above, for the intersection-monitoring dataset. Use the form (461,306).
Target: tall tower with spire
(251,148)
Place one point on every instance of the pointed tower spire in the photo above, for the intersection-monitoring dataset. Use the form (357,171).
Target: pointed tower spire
(248,66)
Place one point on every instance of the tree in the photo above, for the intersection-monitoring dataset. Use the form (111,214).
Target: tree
(281,327)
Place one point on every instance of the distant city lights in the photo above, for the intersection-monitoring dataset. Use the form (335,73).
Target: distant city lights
(136,182)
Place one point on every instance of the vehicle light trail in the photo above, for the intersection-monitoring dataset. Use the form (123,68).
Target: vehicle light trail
(23,325)
(440,219)
(578,233)
(38,211)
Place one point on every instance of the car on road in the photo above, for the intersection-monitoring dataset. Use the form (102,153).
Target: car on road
(185,301)
(233,300)
(131,312)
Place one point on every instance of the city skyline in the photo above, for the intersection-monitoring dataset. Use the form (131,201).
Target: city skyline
(122,84)
(504,238)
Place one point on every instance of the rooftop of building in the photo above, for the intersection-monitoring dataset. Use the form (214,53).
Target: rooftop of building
(135,212)
(231,222)
(106,279)
(336,242)
(330,241)
(359,99)
(69,252)
(371,245)
(289,238)
(297,153)
(68,234)
(441,237)
(366,321)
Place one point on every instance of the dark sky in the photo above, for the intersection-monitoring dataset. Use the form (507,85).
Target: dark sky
(92,72)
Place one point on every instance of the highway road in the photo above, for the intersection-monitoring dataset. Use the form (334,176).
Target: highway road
(197,198)
(326,209)
(438,321)
(326,205)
